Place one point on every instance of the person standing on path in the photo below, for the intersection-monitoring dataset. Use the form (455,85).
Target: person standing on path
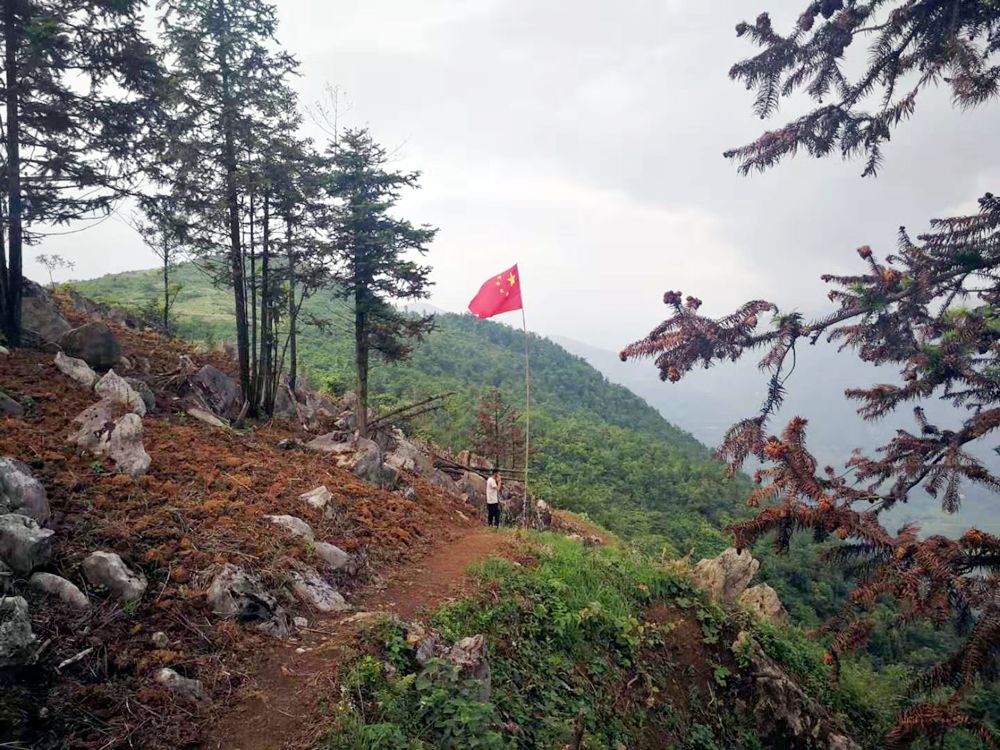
(493,485)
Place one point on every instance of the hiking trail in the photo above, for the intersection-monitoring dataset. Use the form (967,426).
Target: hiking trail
(280,703)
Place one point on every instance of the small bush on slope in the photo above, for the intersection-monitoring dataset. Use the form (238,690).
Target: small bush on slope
(633,644)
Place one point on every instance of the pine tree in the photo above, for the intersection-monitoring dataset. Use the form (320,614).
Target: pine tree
(161,228)
(371,248)
(230,97)
(80,85)
(497,433)
(930,309)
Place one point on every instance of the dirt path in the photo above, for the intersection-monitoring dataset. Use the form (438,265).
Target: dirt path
(279,708)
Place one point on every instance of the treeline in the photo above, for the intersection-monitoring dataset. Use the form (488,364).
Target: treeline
(199,128)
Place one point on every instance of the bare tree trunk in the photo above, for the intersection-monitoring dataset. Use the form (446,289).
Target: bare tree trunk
(361,362)
(293,312)
(266,363)
(232,203)
(166,288)
(13,284)
(255,374)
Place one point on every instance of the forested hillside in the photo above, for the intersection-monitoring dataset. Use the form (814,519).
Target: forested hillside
(600,449)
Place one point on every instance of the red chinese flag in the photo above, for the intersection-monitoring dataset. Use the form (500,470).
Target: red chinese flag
(499,294)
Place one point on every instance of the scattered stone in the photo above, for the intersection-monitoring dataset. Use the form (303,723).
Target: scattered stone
(469,654)
(301,650)
(406,456)
(4,351)
(77,369)
(726,576)
(309,587)
(160,640)
(360,456)
(237,594)
(219,392)
(101,433)
(59,587)
(318,498)
(300,622)
(20,492)
(24,545)
(106,569)
(145,393)
(40,315)
(9,406)
(124,364)
(366,617)
(332,555)
(15,630)
(207,417)
(182,686)
(284,403)
(763,601)
(94,343)
(296,526)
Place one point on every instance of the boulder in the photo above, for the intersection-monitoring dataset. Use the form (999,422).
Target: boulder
(145,392)
(207,417)
(763,601)
(60,588)
(309,587)
(40,315)
(332,555)
(16,636)
(9,406)
(474,485)
(236,594)
(20,492)
(284,404)
(726,576)
(94,343)
(4,351)
(296,526)
(406,456)
(360,456)
(469,655)
(218,391)
(24,545)
(77,369)
(102,432)
(185,687)
(114,388)
(318,498)
(445,482)
(160,640)
(106,570)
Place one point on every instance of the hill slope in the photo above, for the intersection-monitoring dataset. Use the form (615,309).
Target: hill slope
(601,449)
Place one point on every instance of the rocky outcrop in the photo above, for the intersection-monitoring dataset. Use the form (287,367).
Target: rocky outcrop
(20,492)
(115,389)
(407,456)
(106,570)
(786,716)
(102,432)
(16,636)
(239,595)
(185,687)
(219,392)
(145,392)
(58,587)
(77,369)
(310,587)
(726,576)
(94,343)
(24,545)
(762,601)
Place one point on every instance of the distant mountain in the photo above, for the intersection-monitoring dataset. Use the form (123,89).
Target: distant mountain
(707,402)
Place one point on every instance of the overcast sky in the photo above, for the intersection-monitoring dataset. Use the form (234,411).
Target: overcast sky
(583,141)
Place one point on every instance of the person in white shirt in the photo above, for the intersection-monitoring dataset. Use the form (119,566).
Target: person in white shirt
(493,485)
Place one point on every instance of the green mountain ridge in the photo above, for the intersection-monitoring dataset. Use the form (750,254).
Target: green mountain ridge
(601,449)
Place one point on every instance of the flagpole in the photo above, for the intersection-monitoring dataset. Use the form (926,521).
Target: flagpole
(527,412)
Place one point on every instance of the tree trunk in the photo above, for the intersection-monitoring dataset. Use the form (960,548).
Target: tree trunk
(266,374)
(361,362)
(13,284)
(255,373)
(293,313)
(166,288)
(232,204)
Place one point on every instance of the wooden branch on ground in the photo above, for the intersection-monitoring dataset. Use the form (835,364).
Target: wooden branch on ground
(402,411)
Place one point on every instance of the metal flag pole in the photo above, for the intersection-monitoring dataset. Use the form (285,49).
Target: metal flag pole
(527,411)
